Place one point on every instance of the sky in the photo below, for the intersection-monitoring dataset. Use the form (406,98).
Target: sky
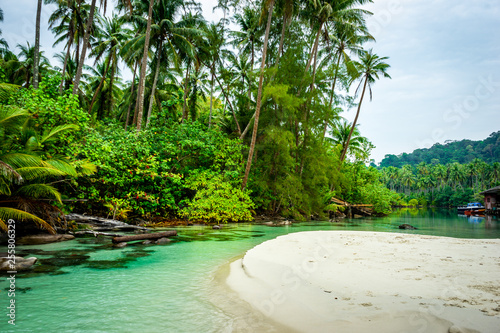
(445,68)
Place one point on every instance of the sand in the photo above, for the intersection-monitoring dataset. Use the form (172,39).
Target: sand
(348,281)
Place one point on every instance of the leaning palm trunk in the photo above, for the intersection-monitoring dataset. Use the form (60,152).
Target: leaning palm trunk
(211,100)
(101,83)
(142,77)
(259,98)
(342,157)
(155,81)
(228,102)
(84,48)
(325,127)
(184,105)
(36,65)
(131,94)
(66,58)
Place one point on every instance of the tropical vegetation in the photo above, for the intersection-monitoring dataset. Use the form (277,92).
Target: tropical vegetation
(151,112)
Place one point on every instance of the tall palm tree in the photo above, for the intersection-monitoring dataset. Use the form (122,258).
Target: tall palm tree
(36,65)
(68,23)
(111,37)
(370,67)
(26,65)
(268,6)
(86,38)
(3,43)
(144,64)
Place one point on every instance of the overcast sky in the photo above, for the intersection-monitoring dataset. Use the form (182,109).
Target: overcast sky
(445,68)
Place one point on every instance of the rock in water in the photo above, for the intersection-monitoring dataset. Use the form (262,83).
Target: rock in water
(120,245)
(407,227)
(43,239)
(163,240)
(21,263)
(216,227)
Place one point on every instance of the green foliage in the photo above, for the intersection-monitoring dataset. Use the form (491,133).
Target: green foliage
(148,171)
(216,200)
(413,203)
(463,151)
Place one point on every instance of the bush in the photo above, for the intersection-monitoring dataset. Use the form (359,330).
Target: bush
(216,200)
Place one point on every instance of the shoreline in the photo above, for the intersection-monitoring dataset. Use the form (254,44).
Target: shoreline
(354,281)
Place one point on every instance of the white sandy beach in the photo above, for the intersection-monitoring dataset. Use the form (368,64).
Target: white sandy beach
(348,281)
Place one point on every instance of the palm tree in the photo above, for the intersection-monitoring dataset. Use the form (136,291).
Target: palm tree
(346,38)
(111,37)
(3,43)
(369,69)
(26,66)
(144,64)
(269,6)
(36,65)
(68,23)
(86,38)
(340,134)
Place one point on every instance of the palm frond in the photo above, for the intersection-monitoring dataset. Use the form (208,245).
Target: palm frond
(20,160)
(37,191)
(9,173)
(31,173)
(7,213)
(53,135)
(62,165)
(7,90)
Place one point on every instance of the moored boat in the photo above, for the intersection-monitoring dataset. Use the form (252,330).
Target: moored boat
(472,208)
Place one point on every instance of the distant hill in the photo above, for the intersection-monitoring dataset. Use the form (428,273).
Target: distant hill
(462,151)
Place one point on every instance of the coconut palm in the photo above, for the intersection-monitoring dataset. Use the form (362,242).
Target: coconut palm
(370,67)
(268,6)
(112,36)
(36,64)
(27,54)
(340,135)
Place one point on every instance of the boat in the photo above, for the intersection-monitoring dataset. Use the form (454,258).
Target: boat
(472,208)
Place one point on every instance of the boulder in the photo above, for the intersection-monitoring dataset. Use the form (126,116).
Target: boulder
(163,240)
(120,245)
(21,263)
(216,227)
(407,226)
(43,239)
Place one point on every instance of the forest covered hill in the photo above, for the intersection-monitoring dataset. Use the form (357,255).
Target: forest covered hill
(463,151)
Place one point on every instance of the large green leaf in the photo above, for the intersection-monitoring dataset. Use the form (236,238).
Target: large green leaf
(17,215)
(39,191)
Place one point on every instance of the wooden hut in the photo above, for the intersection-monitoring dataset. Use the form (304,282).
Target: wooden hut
(492,200)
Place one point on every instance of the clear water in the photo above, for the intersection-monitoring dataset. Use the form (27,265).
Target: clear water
(85,285)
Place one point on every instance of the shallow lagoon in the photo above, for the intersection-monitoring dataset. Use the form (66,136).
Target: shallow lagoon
(85,285)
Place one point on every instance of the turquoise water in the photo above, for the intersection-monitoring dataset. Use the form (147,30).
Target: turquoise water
(85,285)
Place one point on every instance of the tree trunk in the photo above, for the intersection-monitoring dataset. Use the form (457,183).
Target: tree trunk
(331,96)
(155,235)
(66,58)
(229,103)
(111,82)
(259,97)
(242,136)
(36,65)
(184,105)
(282,39)
(144,65)
(151,98)
(315,46)
(86,38)
(354,122)
(211,100)
(100,85)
